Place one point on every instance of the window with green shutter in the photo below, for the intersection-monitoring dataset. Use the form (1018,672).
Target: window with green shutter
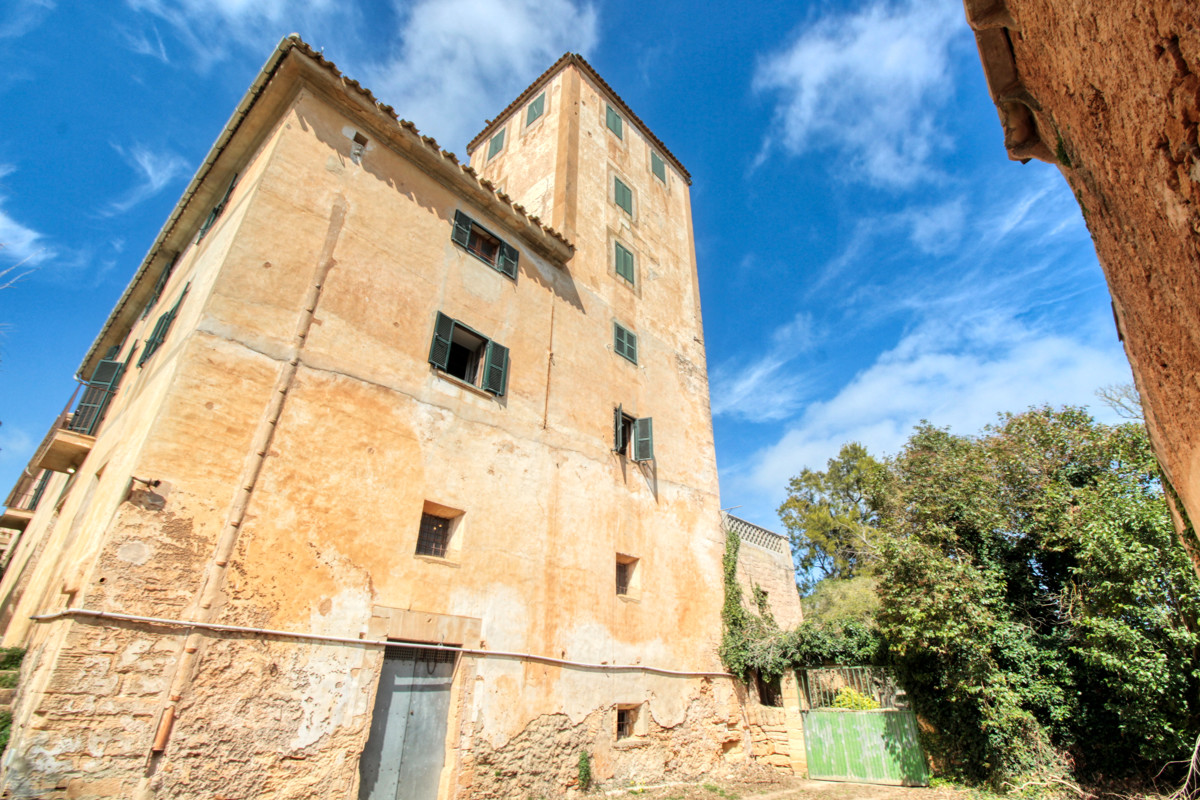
(159,285)
(623,195)
(625,342)
(633,437)
(614,122)
(658,166)
(484,245)
(536,108)
(159,334)
(216,210)
(469,356)
(623,261)
(496,145)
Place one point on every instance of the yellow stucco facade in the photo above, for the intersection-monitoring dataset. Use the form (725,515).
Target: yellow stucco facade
(268,466)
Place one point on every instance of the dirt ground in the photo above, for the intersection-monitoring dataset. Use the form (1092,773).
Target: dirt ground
(779,787)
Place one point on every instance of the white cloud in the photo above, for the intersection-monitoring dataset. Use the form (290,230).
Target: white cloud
(154,170)
(937,230)
(768,388)
(461,60)
(952,375)
(19,244)
(865,85)
(453,62)
(23,16)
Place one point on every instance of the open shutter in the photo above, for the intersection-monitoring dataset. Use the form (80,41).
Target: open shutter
(643,439)
(159,334)
(507,262)
(443,331)
(160,285)
(495,376)
(217,209)
(462,228)
(618,429)
(100,389)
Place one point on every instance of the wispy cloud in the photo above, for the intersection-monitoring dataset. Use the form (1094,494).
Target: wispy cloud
(154,172)
(19,244)
(958,375)
(864,85)
(23,16)
(768,388)
(140,42)
(446,75)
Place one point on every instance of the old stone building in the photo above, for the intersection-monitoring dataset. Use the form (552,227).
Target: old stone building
(1110,93)
(393,474)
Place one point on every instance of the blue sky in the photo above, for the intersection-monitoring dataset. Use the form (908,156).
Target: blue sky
(868,255)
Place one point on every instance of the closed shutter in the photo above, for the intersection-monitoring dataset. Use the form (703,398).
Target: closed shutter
(160,285)
(643,439)
(623,195)
(439,350)
(624,262)
(507,263)
(497,144)
(613,120)
(536,108)
(658,167)
(625,342)
(462,228)
(495,376)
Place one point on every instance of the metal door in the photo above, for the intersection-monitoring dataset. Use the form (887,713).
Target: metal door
(865,746)
(407,746)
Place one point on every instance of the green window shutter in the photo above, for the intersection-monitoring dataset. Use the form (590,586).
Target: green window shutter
(100,389)
(658,166)
(439,350)
(462,229)
(613,120)
(497,144)
(624,262)
(625,342)
(507,262)
(160,285)
(623,195)
(217,209)
(535,109)
(643,439)
(159,334)
(495,376)
(618,429)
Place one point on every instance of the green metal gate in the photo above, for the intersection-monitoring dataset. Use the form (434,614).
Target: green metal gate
(877,746)
(865,746)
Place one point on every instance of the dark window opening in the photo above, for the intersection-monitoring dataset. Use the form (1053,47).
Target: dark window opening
(633,438)
(623,570)
(483,244)
(769,692)
(465,351)
(626,719)
(434,536)
(356,149)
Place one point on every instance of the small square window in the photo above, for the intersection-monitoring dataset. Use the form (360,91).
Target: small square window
(496,145)
(623,262)
(626,722)
(658,166)
(461,352)
(613,120)
(628,583)
(434,536)
(625,342)
(536,109)
(633,438)
(623,196)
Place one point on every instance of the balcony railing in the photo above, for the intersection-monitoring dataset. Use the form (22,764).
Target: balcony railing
(749,532)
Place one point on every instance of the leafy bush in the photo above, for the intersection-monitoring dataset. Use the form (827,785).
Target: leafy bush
(854,700)
(10,657)
(585,770)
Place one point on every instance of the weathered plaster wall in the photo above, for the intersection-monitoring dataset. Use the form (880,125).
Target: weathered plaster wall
(319,286)
(1110,91)
(774,573)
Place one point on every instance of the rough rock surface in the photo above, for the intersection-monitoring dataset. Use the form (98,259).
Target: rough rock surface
(1110,90)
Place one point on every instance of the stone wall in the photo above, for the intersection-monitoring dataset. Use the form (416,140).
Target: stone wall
(1109,90)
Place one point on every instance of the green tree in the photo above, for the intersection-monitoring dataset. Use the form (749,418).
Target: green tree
(1035,601)
(831,517)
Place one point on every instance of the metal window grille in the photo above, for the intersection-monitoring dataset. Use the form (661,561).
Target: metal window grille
(395,652)
(821,686)
(626,717)
(434,536)
(623,577)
